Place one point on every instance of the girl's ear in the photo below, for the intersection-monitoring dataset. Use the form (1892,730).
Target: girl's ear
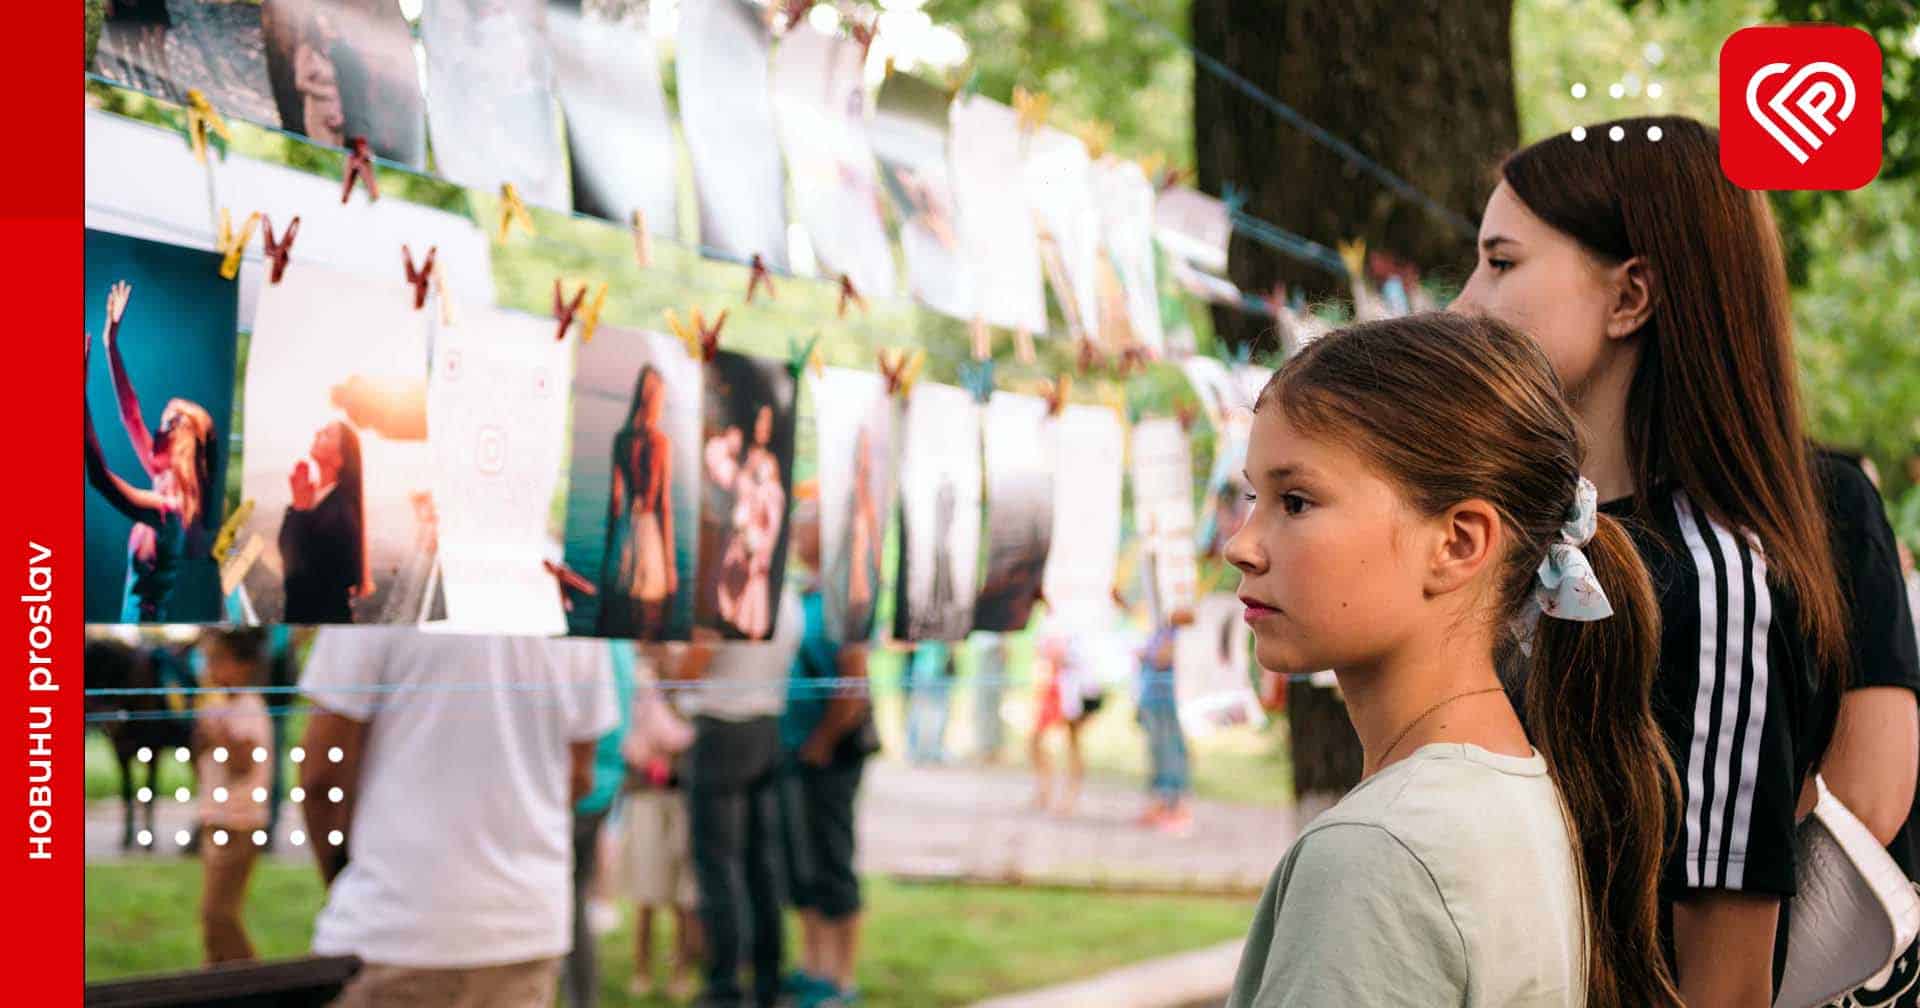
(1633,283)
(1469,538)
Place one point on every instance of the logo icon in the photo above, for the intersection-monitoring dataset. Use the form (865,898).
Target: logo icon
(1800,108)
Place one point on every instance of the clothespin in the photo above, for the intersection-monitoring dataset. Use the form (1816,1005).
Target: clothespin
(569,580)
(1153,165)
(977,378)
(792,11)
(1234,197)
(1186,415)
(513,211)
(1023,345)
(849,293)
(863,33)
(982,338)
(901,368)
(1354,255)
(590,315)
(440,295)
(1097,136)
(1089,356)
(422,275)
(642,241)
(359,166)
(564,310)
(1031,107)
(277,249)
(758,275)
(801,356)
(1134,358)
(233,244)
(1056,393)
(202,119)
(701,339)
(230,529)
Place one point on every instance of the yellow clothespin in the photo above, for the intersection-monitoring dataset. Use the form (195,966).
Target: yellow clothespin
(231,245)
(1097,136)
(1354,254)
(687,334)
(1056,393)
(589,317)
(202,117)
(1032,108)
(642,242)
(223,543)
(1154,164)
(513,211)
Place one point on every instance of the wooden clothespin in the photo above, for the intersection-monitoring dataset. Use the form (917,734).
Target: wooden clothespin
(1023,345)
(277,249)
(863,33)
(570,581)
(1098,136)
(701,339)
(1354,255)
(982,338)
(589,316)
(1186,415)
(440,295)
(1056,393)
(513,211)
(642,241)
(977,378)
(203,119)
(419,276)
(800,356)
(233,244)
(901,368)
(1089,356)
(849,294)
(230,529)
(359,166)
(1031,107)
(757,275)
(564,310)
(791,12)
(1135,357)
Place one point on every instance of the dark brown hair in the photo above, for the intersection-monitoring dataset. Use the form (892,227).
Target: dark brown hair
(1450,408)
(1714,405)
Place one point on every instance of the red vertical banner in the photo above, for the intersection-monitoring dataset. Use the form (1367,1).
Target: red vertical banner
(42,771)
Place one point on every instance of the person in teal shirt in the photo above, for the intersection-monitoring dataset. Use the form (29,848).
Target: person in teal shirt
(589,817)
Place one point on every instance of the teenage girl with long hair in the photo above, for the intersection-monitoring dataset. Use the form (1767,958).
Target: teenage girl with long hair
(1657,288)
(642,573)
(174,519)
(1418,517)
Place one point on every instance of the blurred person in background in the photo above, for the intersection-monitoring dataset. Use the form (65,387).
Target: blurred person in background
(582,980)
(657,854)
(234,768)
(989,687)
(1171,780)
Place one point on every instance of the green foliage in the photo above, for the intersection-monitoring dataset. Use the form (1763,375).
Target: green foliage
(96,13)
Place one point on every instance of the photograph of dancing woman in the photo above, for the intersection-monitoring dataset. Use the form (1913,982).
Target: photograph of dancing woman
(642,571)
(323,538)
(747,457)
(157,494)
(173,518)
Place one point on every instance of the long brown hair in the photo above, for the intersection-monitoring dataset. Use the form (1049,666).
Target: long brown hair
(1451,408)
(1714,404)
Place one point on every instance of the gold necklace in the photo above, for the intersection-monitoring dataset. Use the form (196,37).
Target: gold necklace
(1397,739)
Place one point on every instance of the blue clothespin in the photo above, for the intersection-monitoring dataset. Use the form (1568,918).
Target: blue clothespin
(1234,197)
(977,378)
(1394,294)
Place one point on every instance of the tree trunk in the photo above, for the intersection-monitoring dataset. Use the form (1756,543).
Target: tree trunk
(1423,87)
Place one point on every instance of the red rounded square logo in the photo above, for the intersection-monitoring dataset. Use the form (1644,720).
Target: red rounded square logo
(1800,107)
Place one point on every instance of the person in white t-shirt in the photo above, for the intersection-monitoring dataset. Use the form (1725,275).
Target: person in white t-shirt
(439,774)
(733,779)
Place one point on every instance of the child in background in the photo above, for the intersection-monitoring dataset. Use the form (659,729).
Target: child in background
(1159,715)
(659,858)
(234,733)
(1069,694)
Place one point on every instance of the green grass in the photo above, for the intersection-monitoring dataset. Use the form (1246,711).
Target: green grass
(924,944)
(103,777)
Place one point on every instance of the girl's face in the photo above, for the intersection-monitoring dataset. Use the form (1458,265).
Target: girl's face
(1331,556)
(1545,284)
(326,446)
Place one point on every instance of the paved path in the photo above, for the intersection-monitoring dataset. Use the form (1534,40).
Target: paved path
(956,823)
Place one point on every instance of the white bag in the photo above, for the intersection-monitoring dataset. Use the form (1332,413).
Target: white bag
(1854,914)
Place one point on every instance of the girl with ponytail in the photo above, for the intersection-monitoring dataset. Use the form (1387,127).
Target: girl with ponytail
(1418,518)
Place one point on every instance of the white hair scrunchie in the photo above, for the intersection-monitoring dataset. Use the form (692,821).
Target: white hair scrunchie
(1565,587)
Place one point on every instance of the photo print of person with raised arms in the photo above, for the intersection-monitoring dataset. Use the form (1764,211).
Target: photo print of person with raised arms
(633,485)
(747,466)
(150,537)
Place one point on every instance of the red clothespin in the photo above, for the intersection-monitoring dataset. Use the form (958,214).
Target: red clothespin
(564,310)
(359,166)
(793,10)
(863,33)
(1089,356)
(1056,393)
(570,581)
(1187,415)
(702,339)
(1134,358)
(900,368)
(277,249)
(642,241)
(849,293)
(758,276)
(421,276)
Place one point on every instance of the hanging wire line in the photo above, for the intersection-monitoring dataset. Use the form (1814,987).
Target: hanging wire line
(1292,117)
(1271,235)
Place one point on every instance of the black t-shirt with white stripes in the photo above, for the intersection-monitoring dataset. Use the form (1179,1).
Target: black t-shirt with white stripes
(1739,699)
